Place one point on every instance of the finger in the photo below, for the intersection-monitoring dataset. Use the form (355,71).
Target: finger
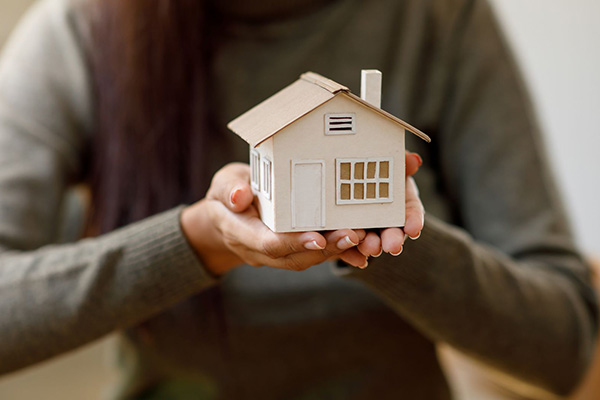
(298,261)
(371,246)
(415,213)
(277,245)
(342,239)
(231,186)
(392,240)
(246,230)
(355,258)
(361,233)
(413,162)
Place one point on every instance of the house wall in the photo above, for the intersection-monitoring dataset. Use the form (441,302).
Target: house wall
(266,206)
(376,136)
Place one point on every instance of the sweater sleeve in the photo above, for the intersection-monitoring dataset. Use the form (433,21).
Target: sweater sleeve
(505,284)
(54,298)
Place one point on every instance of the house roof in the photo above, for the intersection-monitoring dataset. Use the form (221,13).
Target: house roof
(292,103)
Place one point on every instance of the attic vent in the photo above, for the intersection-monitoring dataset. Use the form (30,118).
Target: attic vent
(340,124)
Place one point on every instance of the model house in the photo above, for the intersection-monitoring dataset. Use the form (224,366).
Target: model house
(322,158)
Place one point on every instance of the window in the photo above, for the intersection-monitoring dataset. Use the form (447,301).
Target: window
(254,169)
(266,177)
(340,124)
(367,180)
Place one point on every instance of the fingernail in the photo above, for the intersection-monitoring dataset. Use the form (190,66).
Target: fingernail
(416,237)
(398,253)
(419,159)
(345,243)
(233,197)
(313,245)
(365,265)
(379,254)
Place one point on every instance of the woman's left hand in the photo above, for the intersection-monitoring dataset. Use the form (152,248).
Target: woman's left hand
(391,240)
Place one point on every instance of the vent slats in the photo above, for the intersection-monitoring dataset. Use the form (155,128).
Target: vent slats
(339,124)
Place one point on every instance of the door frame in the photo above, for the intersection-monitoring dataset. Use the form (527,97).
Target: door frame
(293,201)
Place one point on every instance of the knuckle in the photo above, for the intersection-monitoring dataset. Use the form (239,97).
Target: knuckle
(295,264)
(325,254)
(271,248)
(290,247)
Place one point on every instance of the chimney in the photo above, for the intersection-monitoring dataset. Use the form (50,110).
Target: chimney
(370,86)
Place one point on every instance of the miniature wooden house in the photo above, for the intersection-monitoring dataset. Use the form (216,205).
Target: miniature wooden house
(322,158)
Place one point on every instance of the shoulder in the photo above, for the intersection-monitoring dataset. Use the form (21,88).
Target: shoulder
(45,73)
(59,18)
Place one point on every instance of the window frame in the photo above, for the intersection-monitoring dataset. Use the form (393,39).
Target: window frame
(255,165)
(328,118)
(266,175)
(352,181)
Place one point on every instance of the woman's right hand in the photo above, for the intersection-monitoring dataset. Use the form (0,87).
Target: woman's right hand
(226,231)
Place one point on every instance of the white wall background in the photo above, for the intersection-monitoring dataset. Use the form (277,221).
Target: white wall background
(558,45)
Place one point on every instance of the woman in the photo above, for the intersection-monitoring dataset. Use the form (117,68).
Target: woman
(133,97)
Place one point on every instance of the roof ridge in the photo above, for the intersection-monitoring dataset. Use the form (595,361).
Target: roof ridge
(325,83)
(293,102)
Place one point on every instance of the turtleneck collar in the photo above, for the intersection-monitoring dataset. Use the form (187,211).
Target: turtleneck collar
(266,10)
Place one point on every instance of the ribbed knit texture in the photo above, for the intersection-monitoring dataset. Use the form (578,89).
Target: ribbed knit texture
(69,295)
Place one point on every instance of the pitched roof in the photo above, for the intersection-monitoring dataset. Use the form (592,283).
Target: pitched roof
(292,103)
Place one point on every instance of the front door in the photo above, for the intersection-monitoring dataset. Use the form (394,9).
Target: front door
(308,194)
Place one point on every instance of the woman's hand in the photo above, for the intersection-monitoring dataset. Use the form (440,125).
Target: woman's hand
(226,231)
(391,240)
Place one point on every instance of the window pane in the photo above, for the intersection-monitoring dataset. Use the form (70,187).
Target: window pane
(384,190)
(370,191)
(268,176)
(359,170)
(345,192)
(371,170)
(359,191)
(384,169)
(345,171)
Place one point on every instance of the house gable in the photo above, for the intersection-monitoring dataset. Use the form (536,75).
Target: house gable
(366,124)
(376,138)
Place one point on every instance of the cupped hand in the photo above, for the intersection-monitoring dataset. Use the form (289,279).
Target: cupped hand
(391,240)
(226,231)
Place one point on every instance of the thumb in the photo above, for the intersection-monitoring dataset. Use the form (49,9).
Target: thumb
(231,186)
(413,162)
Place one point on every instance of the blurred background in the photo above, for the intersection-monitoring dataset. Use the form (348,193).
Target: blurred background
(556,44)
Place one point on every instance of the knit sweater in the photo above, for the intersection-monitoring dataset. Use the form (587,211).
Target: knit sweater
(495,272)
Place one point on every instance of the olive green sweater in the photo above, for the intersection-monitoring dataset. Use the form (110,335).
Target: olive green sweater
(495,272)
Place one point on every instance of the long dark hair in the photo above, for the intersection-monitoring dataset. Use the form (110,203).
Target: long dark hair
(149,67)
